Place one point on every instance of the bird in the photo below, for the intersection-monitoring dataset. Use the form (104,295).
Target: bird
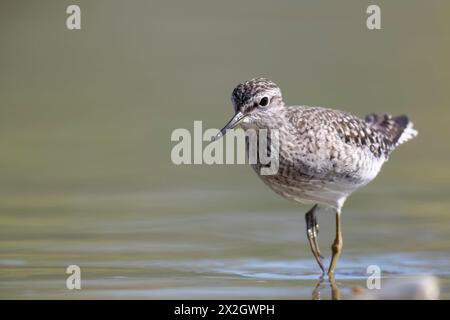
(324,154)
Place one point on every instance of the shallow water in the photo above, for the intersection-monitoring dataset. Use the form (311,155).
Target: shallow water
(85,124)
(173,253)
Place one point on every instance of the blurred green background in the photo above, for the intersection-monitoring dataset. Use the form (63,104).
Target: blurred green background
(85,124)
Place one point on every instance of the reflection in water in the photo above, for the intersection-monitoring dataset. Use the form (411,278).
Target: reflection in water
(415,287)
(335,291)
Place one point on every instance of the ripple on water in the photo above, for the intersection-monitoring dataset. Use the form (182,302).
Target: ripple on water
(12,263)
(351,267)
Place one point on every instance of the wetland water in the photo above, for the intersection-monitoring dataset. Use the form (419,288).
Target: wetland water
(85,125)
(190,247)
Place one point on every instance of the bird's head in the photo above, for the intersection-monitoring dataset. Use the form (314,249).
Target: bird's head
(252,97)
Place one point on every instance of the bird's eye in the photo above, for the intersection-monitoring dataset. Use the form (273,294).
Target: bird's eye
(264,101)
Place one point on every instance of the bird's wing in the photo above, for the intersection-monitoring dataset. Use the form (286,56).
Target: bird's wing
(396,130)
(381,138)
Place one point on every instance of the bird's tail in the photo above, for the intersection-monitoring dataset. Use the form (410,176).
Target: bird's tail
(396,130)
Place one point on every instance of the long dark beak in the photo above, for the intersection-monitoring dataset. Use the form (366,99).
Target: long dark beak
(230,125)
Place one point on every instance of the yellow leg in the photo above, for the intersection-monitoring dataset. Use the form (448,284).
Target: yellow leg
(336,247)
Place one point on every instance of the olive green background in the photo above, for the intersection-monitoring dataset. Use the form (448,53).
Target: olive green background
(85,123)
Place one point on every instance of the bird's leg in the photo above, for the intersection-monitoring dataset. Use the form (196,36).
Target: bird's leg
(311,232)
(336,247)
(316,232)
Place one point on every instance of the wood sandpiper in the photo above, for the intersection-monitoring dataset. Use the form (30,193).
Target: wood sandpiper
(324,154)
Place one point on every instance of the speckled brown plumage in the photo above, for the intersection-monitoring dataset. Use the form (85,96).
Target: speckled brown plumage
(325,154)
